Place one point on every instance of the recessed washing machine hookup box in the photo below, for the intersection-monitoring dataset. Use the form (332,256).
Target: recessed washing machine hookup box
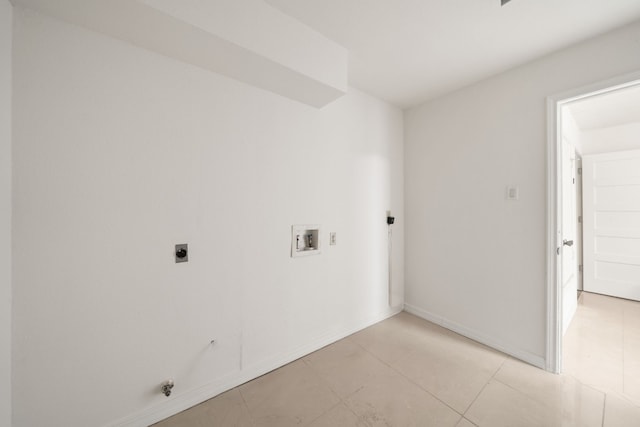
(305,240)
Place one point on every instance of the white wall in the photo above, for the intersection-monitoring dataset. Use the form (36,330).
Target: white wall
(614,138)
(6,13)
(474,260)
(120,154)
(229,37)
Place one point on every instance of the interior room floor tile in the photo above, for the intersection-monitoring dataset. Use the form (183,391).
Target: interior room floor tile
(406,371)
(290,396)
(390,340)
(619,412)
(226,410)
(465,423)
(392,400)
(339,415)
(455,377)
(345,366)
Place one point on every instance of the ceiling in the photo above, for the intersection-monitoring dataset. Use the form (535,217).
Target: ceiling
(615,108)
(410,51)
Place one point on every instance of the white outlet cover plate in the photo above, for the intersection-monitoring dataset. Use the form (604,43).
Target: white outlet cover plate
(513,193)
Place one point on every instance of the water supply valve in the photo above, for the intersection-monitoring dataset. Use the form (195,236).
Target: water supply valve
(166,387)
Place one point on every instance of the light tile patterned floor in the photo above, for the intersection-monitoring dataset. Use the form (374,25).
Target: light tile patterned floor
(409,372)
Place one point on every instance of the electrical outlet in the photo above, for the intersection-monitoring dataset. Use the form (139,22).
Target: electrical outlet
(182,252)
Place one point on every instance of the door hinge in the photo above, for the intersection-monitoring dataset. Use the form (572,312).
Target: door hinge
(579,171)
(580,219)
(580,268)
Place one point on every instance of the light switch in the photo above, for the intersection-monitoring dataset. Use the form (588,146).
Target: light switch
(513,193)
(332,238)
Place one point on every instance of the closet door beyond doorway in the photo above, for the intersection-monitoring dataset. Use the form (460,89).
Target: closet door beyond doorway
(611,203)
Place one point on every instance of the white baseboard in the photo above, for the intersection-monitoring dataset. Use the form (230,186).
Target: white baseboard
(193,397)
(525,356)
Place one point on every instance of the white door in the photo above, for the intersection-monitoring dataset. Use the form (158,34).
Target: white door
(569,225)
(579,244)
(611,209)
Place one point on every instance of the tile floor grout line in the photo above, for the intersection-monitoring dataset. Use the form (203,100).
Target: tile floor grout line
(400,373)
(474,400)
(604,408)
(407,378)
(544,403)
(411,381)
(359,388)
(523,393)
(327,383)
(244,402)
(358,417)
(340,398)
(323,381)
(499,368)
(427,391)
(469,421)
(485,386)
(596,310)
(324,413)
(624,340)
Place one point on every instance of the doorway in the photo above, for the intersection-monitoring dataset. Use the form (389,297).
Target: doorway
(565,222)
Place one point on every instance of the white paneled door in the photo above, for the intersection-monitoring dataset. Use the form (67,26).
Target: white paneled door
(611,191)
(569,228)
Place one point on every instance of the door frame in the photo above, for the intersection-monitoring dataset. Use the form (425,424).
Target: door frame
(553,356)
